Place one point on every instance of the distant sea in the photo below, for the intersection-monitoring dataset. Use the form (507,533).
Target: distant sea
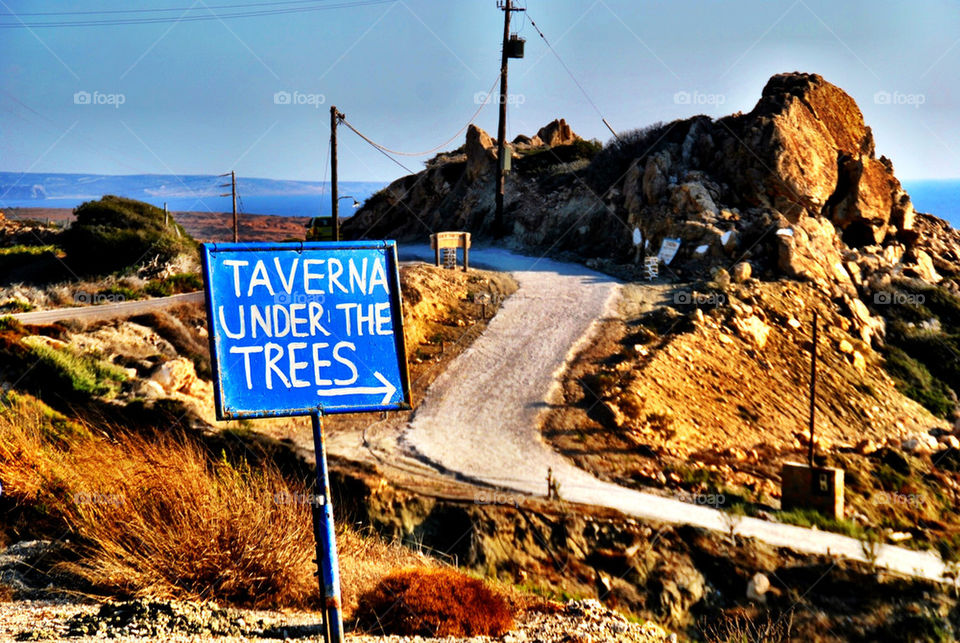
(290,205)
(940,197)
(194,193)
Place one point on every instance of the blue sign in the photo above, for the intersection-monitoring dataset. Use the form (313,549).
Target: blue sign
(302,328)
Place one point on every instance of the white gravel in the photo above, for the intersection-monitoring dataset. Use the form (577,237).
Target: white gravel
(479,420)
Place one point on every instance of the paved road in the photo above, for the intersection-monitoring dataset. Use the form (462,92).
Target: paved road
(479,419)
(109,311)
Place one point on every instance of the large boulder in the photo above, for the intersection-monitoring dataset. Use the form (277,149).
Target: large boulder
(804,149)
(556,132)
(481,153)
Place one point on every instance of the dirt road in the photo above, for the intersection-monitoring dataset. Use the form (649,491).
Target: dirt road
(109,311)
(479,420)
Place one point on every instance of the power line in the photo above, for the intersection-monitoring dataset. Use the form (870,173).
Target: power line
(162,9)
(201,18)
(438,147)
(572,77)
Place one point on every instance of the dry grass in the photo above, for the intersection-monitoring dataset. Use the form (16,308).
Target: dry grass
(161,518)
(435,602)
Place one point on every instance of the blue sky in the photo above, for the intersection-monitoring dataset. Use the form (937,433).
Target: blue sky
(198,97)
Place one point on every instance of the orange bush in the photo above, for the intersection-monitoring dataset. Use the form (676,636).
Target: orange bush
(434,602)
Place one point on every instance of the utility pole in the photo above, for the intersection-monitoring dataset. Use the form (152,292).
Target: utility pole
(813,387)
(507,7)
(335,202)
(233,195)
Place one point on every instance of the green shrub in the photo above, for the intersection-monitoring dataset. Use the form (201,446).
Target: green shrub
(915,381)
(76,372)
(116,233)
(9,323)
(120,293)
(813,518)
(174,285)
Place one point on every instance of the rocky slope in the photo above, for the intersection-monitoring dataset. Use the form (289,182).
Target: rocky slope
(794,187)
(791,189)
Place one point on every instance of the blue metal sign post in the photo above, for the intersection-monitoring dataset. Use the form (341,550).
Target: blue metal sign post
(307,329)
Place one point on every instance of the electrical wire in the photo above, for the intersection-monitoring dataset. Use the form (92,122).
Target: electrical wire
(438,147)
(88,12)
(195,18)
(572,77)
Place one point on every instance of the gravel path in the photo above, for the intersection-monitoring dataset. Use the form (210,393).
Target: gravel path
(479,420)
(585,621)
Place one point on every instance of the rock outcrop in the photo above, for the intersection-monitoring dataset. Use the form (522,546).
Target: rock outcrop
(554,133)
(481,153)
(806,147)
(793,187)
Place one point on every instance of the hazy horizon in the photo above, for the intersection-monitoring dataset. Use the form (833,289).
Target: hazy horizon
(181,95)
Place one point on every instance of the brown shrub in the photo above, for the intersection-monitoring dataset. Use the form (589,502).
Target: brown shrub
(434,602)
(160,518)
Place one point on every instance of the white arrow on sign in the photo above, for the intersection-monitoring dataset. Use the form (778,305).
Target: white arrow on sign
(388,389)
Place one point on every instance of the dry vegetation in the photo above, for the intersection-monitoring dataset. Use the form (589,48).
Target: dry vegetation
(162,518)
(437,602)
(687,402)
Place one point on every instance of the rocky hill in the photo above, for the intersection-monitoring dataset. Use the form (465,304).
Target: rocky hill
(791,189)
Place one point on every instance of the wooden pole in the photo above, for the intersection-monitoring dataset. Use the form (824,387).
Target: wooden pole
(813,388)
(335,203)
(233,193)
(498,227)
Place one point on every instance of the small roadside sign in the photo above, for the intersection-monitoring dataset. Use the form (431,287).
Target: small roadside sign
(307,328)
(301,328)
(668,250)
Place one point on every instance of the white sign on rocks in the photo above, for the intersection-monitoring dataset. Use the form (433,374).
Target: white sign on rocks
(668,250)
